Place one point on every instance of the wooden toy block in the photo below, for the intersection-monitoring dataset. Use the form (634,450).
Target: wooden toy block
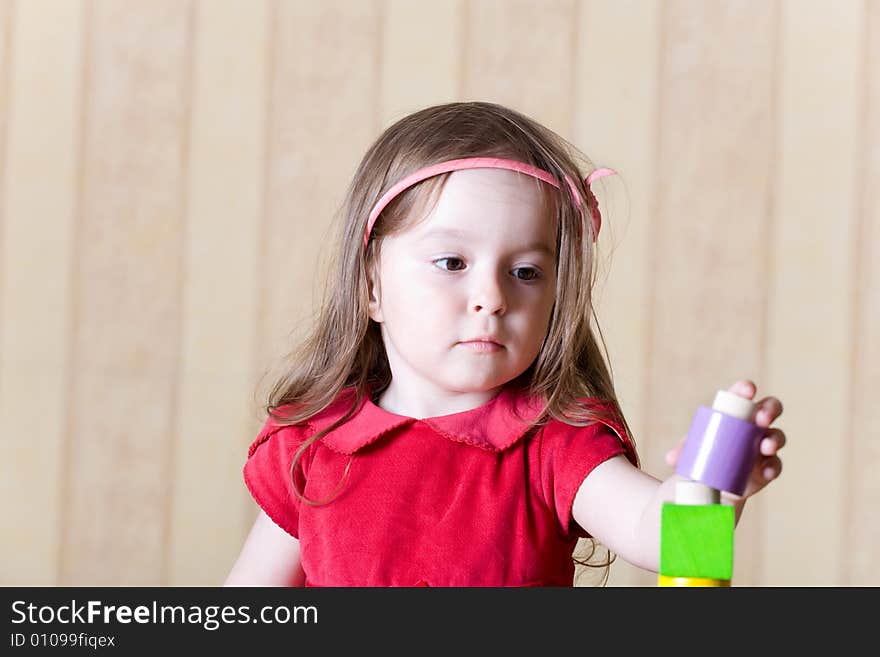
(696,541)
(663,580)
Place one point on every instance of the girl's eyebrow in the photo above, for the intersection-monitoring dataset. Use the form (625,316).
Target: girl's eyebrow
(444,232)
(539,247)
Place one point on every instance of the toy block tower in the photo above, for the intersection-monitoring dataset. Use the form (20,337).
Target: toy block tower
(696,541)
(696,529)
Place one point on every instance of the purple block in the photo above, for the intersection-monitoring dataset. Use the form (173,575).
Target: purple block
(720,450)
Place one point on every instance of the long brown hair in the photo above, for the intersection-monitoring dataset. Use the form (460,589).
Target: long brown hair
(344,347)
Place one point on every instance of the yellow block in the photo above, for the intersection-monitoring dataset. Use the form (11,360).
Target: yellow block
(664,580)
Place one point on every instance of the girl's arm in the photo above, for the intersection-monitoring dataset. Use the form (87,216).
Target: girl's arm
(270,557)
(620,506)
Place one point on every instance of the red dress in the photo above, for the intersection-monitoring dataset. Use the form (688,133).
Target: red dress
(467,499)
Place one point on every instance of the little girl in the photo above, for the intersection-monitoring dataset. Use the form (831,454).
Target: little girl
(450,420)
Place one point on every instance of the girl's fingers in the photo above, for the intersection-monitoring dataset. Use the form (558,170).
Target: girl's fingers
(672,454)
(770,468)
(744,388)
(768,410)
(773,441)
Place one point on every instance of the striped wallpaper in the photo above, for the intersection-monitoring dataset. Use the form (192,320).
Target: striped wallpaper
(169,169)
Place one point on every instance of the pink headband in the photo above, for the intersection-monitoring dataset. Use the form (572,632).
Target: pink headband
(490,163)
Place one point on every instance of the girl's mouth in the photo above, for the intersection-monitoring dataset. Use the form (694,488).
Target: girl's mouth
(482,346)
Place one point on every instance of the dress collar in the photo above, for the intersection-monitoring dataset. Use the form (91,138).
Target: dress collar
(494,426)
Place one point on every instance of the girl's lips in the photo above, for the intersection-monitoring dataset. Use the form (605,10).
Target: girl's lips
(481,346)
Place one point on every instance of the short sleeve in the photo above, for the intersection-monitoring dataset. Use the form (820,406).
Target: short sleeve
(568,455)
(267,473)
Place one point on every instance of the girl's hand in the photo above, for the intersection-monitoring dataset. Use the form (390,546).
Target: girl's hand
(768,465)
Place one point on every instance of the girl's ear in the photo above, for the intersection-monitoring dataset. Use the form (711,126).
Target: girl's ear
(375,291)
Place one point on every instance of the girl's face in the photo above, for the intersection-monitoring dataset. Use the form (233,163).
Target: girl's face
(482,265)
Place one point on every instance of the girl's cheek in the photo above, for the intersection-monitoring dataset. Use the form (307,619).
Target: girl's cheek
(434,280)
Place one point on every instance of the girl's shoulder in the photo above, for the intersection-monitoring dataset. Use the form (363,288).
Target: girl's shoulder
(274,426)
(605,426)
(277,424)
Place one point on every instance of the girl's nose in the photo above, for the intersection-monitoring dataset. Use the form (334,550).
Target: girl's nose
(488,297)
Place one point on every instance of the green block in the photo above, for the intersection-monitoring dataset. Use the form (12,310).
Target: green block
(696,540)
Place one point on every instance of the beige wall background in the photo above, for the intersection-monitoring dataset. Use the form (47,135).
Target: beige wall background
(168,170)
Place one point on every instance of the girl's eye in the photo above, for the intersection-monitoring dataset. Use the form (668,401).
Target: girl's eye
(456,264)
(453,260)
(533,274)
